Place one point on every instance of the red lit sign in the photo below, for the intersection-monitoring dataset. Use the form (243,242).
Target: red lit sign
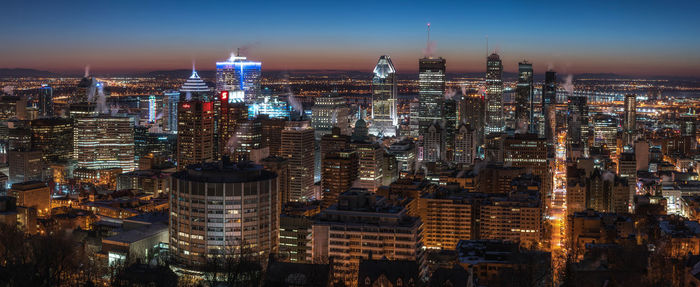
(224,95)
(186,106)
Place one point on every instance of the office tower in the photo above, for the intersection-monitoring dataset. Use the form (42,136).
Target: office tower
(627,169)
(370,165)
(270,106)
(13,107)
(86,87)
(298,149)
(549,110)
(431,81)
(493,147)
(405,153)
(170,104)
(104,142)
(45,101)
(434,143)
(335,141)
(151,109)
(449,127)
(223,208)
(524,94)
(447,218)
(53,137)
(529,151)
(20,137)
(629,126)
(371,226)
(384,94)
(195,132)
(248,142)
(465,145)
(330,111)
(495,122)
(231,115)
(25,165)
(279,166)
(577,121)
(470,111)
(338,172)
(195,120)
(239,74)
(605,128)
(414,119)
(272,133)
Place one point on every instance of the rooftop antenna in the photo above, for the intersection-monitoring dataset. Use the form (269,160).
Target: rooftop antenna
(238,52)
(487,46)
(428,34)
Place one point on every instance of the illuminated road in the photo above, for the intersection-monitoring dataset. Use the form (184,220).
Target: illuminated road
(558,210)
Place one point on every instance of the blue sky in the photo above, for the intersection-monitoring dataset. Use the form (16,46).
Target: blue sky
(629,37)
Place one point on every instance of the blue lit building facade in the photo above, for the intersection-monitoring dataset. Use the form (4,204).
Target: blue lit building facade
(271,106)
(238,73)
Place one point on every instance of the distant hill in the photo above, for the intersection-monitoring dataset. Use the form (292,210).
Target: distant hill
(21,72)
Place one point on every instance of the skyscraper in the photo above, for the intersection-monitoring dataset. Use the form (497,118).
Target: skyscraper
(104,142)
(298,149)
(434,143)
(549,102)
(465,145)
(195,120)
(231,115)
(330,111)
(630,125)
(45,101)
(470,111)
(524,106)
(577,121)
(431,81)
(338,172)
(495,122)
(54,137)
(384,92)
(239,74)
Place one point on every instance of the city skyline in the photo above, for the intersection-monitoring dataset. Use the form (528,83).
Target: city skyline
(625,38)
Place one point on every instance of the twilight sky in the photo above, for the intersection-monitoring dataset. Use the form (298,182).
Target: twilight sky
(626,37)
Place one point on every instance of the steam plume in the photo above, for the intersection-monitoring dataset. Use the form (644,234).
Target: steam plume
(87,71)
(568,85)
(10,90)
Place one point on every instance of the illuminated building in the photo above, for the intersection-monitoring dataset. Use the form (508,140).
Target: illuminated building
(223,208)
(470,111)
(465,145)
(248,142)
(25,166)
(271,106)
(361,224)
(524,102)
(335,141)
(504,263)
(238,73)
(86,86)
(577,121)
(434,143)
(431,82)
(447,218)
(528,151)
(549,102)
(170,104)
(449,126)
(629,126)
(370,165)
(151,182)
(414,119)
(13,107)
(195,120)
(405,153)
(54,137)
(590,227)
(34,194)
(231,115)
(298,149)
(152,110)
(104,177)
(495,122)
(605,128)
(384,91)
(45,101)
(338,172)
(330,111)
(104,142)
(606,192)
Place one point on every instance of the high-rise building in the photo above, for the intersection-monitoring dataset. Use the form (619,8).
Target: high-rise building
(239,74)
(223,208)
(104,142)
(529,151)
(45,101)
(605,129)
(465,145)
(330,111)
(629,126)
(195,135)
(86,86)
(434,143)
(195,120)
(549,110)
(577,121)
(384,95)
(338,172)
(25,166)
(495,122)
(524,94)
(272,133)
(54,137)
(370,165)
(606,192)
(405,153)
(170,104)
(279,166)
(335,141)
(231,115)
(248,144)
(298,149)
(470,111)
(449,126)
(369,226)
(34,194)
(431,81)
